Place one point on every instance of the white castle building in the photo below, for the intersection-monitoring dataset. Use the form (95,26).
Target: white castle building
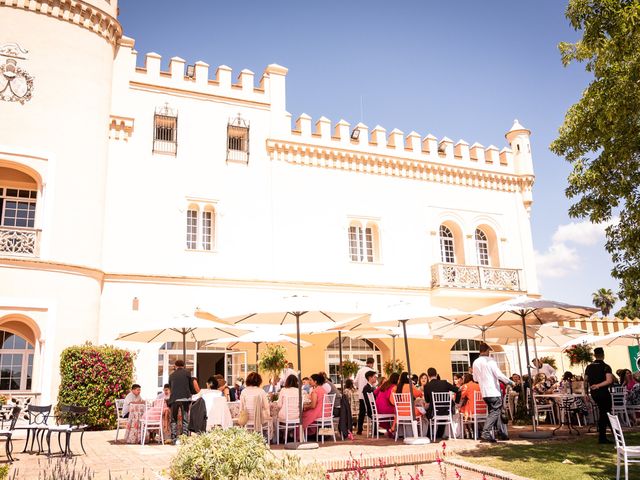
(128,192)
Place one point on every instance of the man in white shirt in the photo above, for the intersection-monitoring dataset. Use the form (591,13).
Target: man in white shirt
(488,375)
(132,397)
(539,367)
(286,372)
(360,382)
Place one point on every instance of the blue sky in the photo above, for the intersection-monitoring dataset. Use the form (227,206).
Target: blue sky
(463,69)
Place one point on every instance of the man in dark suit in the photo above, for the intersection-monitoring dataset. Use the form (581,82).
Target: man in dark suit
(180,383)
(432,386)
(372,379)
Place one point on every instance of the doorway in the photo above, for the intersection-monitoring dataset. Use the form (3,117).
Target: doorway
(209,364)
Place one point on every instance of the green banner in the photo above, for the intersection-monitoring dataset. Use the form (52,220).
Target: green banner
(634,358)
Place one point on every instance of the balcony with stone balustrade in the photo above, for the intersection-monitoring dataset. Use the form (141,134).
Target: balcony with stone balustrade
(451,275)
(19,241)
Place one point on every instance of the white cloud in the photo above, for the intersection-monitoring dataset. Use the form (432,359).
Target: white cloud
(560,259)
(582,233)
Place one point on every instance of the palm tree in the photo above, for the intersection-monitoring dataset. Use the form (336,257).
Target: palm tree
(604,299)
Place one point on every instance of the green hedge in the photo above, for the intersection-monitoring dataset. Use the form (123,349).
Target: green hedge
(94,376)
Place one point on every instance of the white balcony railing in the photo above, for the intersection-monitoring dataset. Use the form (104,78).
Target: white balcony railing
(450,275)
(19,241)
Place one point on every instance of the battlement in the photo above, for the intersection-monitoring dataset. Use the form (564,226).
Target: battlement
(195,78)
(397,144)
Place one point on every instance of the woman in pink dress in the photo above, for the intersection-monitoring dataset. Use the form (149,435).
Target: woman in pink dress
(313,410)
(383,397)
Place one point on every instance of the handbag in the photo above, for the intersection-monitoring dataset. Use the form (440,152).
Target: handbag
(243,417)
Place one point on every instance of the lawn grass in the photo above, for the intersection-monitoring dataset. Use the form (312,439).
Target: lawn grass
(543,460)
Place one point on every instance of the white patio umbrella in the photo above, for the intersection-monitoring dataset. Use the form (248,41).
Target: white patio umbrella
(526,311)
(403,313)
(257,337)
(361,327)
(629,337)
(292,310)
(180,328)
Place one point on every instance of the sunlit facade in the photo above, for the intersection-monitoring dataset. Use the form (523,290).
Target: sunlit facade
(133,188)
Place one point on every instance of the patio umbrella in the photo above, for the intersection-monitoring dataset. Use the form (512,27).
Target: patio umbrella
(180,328)
(361,328)
(292,310)
(403,313)
(526,311)
(629,337)
(257,337)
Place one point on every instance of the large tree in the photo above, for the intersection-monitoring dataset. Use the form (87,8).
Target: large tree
(600,135)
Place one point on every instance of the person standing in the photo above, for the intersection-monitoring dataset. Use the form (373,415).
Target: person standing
(599,377)
(489,376)
(181,387)
(539,367)
(360,382)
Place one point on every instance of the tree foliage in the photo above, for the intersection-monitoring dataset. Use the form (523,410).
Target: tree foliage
(604,299)
(600,135)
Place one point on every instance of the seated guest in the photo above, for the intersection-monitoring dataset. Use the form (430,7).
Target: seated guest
(273,386)
(628,382)
(436,385)
(288,370)
(458,381)
(383,398)
(351,393)
(467,396)
(290,391)
(306,386)
(237,389)
(406,386)
(381,380)
(254,396)
(517,380)
(212,387)
(313,410)
(328,385)
(372,380)
(132,397)
(422,380)
(223,387)
(541,386)
(414,379)
(165,393)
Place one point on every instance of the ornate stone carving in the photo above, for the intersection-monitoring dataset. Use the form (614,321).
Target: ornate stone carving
(19,241)
(16,84)
(450,275)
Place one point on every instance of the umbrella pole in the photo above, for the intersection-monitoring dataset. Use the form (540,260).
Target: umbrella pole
(535,348)
(393,338)
(184,347)
(406,350)
(526,353)
(297,315)
(519,359)
(340,354)
(257,345)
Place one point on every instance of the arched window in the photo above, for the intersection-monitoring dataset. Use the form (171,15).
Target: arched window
(192,228)
(447,251)
(201,220)
(16,362)
(363,242)
(463,353)
(482,248)
(356,349)
(18,199)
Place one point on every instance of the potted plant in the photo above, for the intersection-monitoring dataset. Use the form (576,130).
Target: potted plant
(273,360)
(349,369)
(580,355)
(549,361)
(391,366)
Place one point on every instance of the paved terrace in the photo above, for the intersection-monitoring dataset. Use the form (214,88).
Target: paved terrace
(121,461)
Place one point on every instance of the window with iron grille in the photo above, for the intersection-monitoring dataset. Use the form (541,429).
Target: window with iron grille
(482,248)
(17,207)
(201,218)
(362,243)
(165,131)
(238,140)
(447,252)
